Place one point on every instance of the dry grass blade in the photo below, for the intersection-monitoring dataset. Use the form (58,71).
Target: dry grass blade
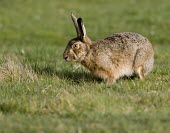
(14,70)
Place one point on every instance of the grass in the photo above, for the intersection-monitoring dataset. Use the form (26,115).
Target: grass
(39,92)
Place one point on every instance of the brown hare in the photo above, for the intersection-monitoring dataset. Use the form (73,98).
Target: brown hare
(122,54)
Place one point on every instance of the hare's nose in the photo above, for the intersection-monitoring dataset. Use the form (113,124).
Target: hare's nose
(66,57)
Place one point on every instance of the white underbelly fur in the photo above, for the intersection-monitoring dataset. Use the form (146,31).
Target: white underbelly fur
(126,72)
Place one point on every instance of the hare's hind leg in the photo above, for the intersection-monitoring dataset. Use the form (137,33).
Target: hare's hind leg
(139,61)
(140,72)
(148,65)
(143,62)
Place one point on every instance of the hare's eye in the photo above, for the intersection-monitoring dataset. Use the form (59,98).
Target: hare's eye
(76,46)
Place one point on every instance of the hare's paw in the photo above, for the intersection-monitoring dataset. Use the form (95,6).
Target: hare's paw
(140,72)
(110,81)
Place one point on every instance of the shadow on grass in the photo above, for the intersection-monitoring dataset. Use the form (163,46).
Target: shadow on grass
(66,74)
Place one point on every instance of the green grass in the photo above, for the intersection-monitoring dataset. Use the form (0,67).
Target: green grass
(39,92)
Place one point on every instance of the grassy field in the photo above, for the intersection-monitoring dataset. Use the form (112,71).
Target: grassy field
(39,92)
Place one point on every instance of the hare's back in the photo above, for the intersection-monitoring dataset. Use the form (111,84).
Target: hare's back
(127,38)
(121,47)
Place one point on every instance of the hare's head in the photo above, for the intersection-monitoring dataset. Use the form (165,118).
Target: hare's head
(77,48)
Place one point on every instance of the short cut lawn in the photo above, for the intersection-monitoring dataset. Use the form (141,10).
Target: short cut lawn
(40,92)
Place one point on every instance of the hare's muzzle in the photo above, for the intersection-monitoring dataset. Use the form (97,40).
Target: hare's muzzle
(66,58)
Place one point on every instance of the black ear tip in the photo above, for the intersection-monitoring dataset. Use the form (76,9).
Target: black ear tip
(79,20)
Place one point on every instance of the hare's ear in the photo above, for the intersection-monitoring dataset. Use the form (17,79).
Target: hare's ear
(74,19)
(82,29)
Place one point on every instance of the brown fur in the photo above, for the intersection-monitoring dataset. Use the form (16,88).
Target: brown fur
(122,54)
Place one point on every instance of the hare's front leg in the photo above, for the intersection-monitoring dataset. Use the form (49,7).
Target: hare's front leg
(110,80)
(106,76)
